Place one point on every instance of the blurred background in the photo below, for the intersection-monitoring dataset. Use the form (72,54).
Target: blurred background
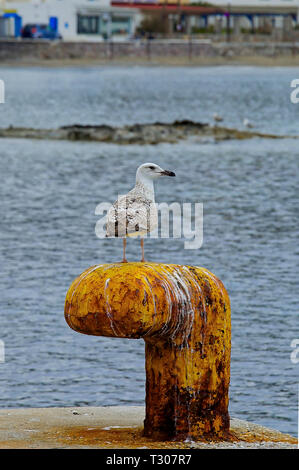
(124,19)
(49,191)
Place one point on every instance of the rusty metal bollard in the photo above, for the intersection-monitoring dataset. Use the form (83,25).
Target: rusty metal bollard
(183,315)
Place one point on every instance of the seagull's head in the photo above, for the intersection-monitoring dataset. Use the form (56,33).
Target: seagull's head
(152,171)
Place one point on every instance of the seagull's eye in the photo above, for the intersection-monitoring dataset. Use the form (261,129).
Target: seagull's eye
(151,167)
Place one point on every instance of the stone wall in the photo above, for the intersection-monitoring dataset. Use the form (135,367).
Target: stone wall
(31,50)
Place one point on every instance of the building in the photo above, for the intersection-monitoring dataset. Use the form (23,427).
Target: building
(98,20)
(74,19)
(283,14)
(187,16)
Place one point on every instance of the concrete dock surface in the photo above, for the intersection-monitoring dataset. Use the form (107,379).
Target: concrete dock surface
(116,427)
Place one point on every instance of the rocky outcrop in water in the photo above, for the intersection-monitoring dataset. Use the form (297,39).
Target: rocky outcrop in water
(148,134)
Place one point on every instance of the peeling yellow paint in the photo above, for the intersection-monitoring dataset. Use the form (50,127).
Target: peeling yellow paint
(183,315)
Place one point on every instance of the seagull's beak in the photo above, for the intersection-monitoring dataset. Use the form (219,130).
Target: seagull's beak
(167,173)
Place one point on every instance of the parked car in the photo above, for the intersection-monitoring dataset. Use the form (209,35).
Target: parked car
(39,31)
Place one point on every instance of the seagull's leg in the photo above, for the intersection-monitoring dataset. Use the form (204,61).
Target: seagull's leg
(142,250)
(124,250)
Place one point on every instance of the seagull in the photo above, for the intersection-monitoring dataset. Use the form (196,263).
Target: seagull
(247,123)
(135,214)
(217,118)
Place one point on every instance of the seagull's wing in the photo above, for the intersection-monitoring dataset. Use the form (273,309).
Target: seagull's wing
(142,217)
(131,215)
(116,218)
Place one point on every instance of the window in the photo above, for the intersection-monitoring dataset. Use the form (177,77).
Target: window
(121,24)
(88,24)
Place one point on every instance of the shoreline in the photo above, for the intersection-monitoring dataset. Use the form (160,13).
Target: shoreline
(167,61)
(115,427)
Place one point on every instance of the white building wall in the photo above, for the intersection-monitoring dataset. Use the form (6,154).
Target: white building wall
(39,11)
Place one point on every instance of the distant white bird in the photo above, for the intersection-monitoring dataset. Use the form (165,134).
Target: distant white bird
(247,123)
(217,118)
(135,214)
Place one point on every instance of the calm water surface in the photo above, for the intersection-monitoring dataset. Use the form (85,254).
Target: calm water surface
(49,191)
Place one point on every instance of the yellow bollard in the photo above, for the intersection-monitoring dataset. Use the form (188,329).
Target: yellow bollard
(183,315)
